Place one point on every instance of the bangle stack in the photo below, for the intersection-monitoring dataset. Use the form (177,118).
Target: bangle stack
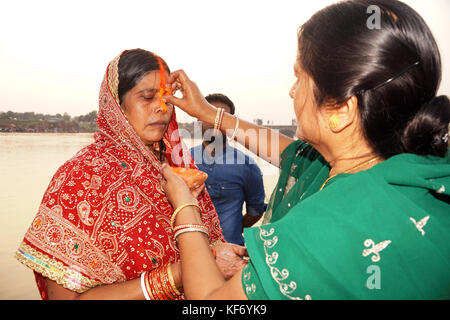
(236,127)
(218,120)
(180,229)
(190,228)
(159,284)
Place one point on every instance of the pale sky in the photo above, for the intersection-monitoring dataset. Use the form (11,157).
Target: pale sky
(53,54)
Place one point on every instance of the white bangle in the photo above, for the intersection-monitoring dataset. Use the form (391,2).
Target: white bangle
(193,229)
(236,127)
(143,287)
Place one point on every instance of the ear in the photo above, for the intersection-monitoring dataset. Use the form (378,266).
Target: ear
(343,116)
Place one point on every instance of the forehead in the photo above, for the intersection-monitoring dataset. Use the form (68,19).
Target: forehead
(151,80)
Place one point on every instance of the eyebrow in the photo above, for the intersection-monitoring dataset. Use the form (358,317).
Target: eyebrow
(151,90)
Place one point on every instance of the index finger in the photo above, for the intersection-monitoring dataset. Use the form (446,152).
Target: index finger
(179,75)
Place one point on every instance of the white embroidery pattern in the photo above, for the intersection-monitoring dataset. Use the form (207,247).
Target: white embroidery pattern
(420,224)
(287,289)
(376,248)
(249,288)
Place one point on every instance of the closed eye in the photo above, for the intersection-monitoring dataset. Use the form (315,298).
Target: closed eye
(148,97)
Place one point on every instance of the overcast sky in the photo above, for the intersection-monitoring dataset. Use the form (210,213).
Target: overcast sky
(53,54)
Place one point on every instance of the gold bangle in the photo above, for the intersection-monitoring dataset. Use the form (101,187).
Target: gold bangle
(172,280)
(218,120)
(177,210)
(165,283)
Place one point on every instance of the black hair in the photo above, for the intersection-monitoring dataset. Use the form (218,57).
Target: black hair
(393,70)
(135,64)
(218,97)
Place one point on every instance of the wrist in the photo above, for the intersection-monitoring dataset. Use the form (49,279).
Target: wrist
(207,114)
(189,215)
(184,201)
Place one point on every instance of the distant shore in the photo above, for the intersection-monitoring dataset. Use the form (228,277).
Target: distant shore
(30,122)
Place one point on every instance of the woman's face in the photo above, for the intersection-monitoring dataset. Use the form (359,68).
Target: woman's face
(144,110)
(306,111)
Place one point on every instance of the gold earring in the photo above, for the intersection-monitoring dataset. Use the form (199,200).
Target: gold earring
(333,121)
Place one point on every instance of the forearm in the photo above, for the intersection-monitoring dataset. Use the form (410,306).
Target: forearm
(127,290)
(201,276)
(200,273)
(264,142)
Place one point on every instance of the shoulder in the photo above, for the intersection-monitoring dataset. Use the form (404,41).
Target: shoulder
(300,149)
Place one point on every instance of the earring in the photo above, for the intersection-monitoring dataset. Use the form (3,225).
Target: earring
(333,121)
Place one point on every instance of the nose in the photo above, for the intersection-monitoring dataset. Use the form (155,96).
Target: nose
(292,91)
(159,106)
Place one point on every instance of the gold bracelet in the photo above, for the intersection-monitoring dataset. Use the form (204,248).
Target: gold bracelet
(172,280)
(177,210)
(218,120)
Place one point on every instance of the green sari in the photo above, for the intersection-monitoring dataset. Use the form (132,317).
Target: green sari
(383,233)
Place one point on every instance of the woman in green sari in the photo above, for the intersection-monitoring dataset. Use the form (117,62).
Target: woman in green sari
(362,206)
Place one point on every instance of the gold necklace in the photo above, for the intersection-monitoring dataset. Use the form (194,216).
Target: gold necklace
(348,170)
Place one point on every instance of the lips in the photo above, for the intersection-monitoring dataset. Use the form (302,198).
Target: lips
(157,124)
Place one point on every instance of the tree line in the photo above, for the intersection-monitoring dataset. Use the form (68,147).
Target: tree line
(38,122)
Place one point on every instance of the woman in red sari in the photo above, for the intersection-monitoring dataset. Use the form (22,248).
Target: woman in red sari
(103,228)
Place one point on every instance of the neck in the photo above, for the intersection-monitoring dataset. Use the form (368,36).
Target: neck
(353,164)
(346,156)
(155,150)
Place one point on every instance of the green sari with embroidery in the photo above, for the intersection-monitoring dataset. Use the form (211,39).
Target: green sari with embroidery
(383,233)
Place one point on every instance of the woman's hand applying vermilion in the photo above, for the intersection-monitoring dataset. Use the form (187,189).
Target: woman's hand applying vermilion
(192,102)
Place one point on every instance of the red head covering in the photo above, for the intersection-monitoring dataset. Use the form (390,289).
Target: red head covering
(104,217)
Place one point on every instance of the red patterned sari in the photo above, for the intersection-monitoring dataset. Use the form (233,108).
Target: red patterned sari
(104,217)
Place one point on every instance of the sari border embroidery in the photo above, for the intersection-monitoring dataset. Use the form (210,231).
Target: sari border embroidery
(68,277)
(63,241)
(287,289)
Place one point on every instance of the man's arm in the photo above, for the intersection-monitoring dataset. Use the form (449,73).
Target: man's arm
(254,196)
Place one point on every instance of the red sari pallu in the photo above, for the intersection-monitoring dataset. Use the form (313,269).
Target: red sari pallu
(104,217)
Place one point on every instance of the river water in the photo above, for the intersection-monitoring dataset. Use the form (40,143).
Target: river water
(27,163)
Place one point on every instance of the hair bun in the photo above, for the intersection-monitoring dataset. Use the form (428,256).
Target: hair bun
(427,133)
